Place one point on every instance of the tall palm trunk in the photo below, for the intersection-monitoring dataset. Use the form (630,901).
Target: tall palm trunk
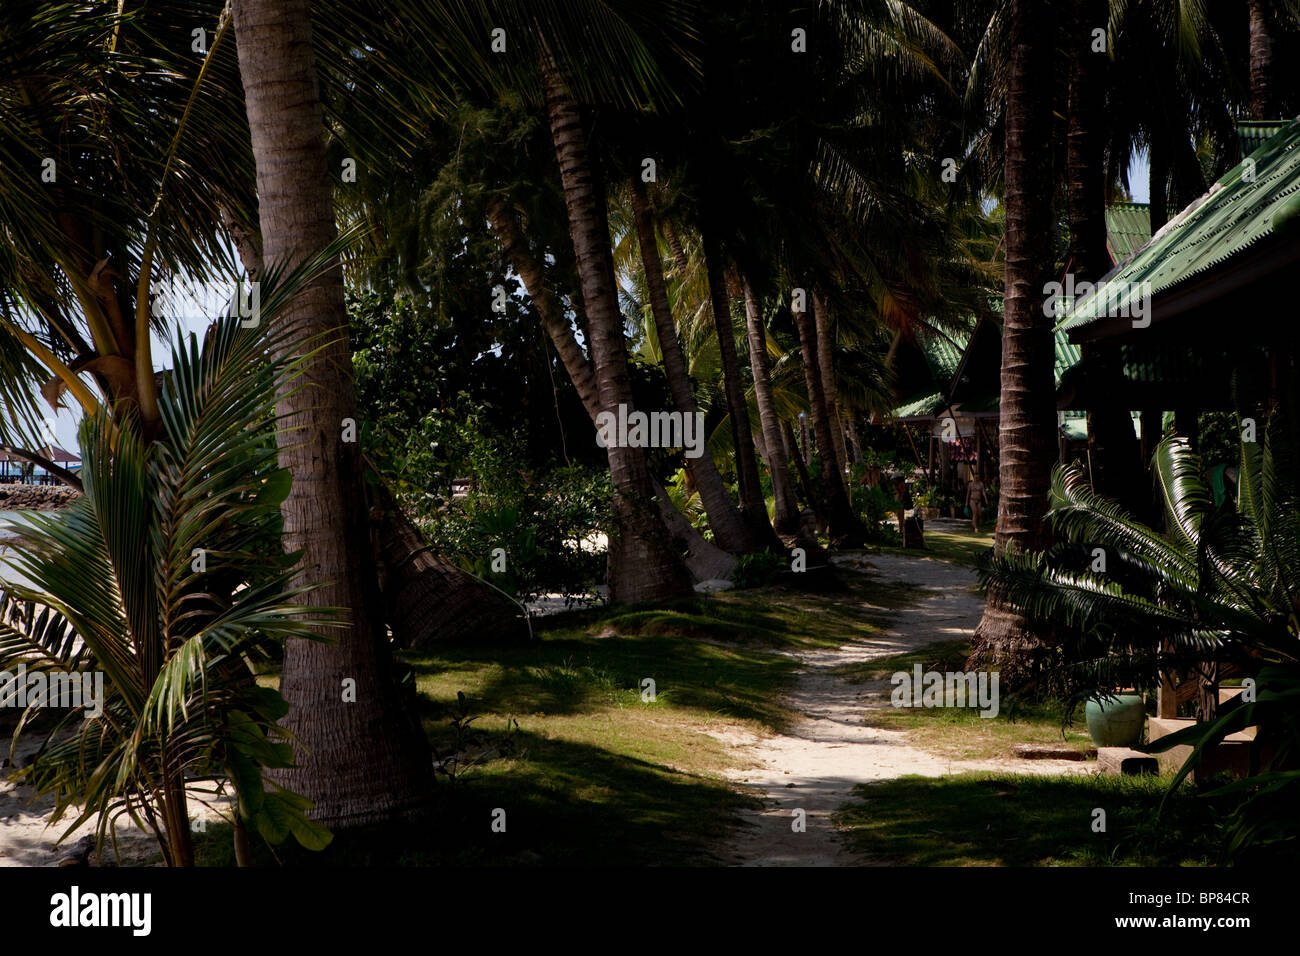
(1262,102)
(1027,428)
(643,565)
(786,518)
(705,560)
(805,482)
(359,759)
(724,517)
(1112,445)
(826,364)
(752,503)
(843,526)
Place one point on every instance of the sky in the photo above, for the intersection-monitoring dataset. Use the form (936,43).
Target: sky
(194,315)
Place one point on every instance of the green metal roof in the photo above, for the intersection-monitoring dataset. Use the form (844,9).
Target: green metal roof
(1231,217)
(1252,134)
(1067,354)
(944,359)
(1128,228)
(925,407)
(942,353)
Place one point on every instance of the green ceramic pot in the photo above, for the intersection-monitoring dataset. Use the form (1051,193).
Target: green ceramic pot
(1116,721)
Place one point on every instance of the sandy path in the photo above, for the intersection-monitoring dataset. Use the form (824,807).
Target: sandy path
(815,766)
(26,839)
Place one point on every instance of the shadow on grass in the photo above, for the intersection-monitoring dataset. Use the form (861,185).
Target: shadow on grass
(1004,820)
(958,546)
(565,804)
(577,676)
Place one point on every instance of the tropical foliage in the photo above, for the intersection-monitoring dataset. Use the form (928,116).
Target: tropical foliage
(1217,589)
(168,579)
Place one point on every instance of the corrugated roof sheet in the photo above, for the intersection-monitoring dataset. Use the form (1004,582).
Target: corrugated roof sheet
(1235,214)
(942,354)
(925,407)
(1128,228)
(1252,134)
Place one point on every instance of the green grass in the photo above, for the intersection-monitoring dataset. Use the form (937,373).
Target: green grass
(960,733)
(960,547)
(1004,820)
(587,772)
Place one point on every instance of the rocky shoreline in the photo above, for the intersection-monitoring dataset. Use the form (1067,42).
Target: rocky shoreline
(15,497)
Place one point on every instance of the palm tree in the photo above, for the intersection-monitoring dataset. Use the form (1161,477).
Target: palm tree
(1113,447)
(1027,425)
(705,560)
(360,759)
(724,518)
(96,209)
(786,510)
(644,565)
(113,588)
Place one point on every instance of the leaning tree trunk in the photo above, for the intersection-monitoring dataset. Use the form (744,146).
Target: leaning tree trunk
(644,565)
(1263,105)
(786,523)
(705,560)
(724,517)
(428,599)
(752,503)
(358,759)
(1027,428)
(1117,470)
(843,526)
(826,365)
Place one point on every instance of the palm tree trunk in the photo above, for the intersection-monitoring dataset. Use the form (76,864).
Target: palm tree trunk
(643,564)
(176,817)
(1262,103)
(705,560)
(805,482)
(724,517)
(826,363)
(1112,444)
(786,518)
(842,525)
(1027,429)
(752,503)
(357,760)
(1085,164)
(429,600)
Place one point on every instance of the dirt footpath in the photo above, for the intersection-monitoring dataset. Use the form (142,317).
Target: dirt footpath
(816,764)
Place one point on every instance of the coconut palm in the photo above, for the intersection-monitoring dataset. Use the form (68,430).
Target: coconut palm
(125,160)
(362,759)
(1027,422)
(167,578)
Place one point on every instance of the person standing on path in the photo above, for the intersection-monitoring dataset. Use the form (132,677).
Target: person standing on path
(975,491)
